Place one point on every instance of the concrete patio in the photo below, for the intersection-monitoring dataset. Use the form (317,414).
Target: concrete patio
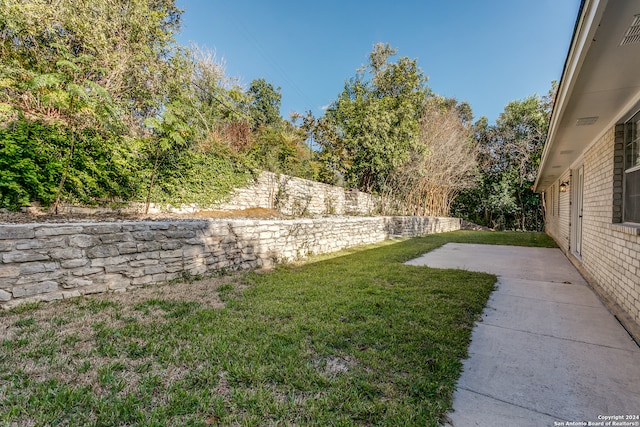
(547,351)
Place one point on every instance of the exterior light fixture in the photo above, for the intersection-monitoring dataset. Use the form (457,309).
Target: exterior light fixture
(564,187)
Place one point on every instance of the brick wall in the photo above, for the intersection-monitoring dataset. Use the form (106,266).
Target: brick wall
(43,262)
(610,252)
(610,256)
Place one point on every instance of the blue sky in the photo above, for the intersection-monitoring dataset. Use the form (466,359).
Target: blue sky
(487,52)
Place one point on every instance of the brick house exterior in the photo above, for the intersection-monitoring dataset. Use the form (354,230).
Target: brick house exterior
(590,170)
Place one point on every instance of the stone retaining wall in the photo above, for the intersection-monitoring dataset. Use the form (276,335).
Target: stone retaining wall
(43,262)
(299,197)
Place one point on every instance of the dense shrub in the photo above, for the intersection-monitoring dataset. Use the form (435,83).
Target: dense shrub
(30,165)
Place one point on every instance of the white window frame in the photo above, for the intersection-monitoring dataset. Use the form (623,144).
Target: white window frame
(631,148)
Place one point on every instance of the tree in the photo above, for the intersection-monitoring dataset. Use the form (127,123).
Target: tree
(510,153)
(92,68)
(375,119)
(81,48)
(265,103)
(442,162)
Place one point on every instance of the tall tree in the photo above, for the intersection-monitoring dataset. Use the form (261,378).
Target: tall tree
(442,162)
(93,69)
(54,52)
(510,153)
(376,118)
(265,103)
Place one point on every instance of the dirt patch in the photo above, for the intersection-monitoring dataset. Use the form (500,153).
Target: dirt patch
(466,225)
(38,216)
(62,340)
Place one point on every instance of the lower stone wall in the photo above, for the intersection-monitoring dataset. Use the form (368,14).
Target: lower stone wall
(44,262)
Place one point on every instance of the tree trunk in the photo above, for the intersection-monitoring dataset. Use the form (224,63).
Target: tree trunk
(65,172)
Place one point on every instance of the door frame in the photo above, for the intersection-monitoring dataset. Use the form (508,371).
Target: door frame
(577,211)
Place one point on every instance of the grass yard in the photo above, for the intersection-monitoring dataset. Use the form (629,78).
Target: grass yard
(355,338)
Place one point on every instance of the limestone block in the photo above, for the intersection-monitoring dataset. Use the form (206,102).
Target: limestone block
(172,276)
(34,289)
(133,272)
(4,296)
(161,225)
(198,269)
(174,267)
(66,253)
(149,246)
(75,282)
(9,271)
(248,257)
(146,255)
(118,268)
(16,232)
(180,234)
(82,241)
(143,263)
(39,277)
(154,269)
(116,237)
(74,263)
(135,227)
(56,230)
(119,288)
(176,253)
(71,294)
(37,267)
(142,280)
(104,228)
(86,271)
(161,277)
(103,251)
(127,247)
(101,262)
(43,243)
(23,256)
(201,240)
(193,250)
(6,245)
(93,289)
(167,246)
(145,235)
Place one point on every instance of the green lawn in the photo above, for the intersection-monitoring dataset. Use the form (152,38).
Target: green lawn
(356,338)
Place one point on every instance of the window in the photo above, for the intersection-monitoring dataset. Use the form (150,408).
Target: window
(632,169)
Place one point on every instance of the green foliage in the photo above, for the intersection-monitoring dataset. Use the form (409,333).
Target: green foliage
(375,120)
(29,167)
(32,162)
(510,155)
(189,177)
(99,104)
(265,103)
(86,64)
(282,150)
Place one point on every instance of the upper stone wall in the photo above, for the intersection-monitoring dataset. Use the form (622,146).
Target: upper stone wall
(300,197)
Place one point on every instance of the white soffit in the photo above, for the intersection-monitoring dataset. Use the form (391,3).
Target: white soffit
(600,81)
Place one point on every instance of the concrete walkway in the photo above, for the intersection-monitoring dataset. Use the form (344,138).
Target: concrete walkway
(547,351)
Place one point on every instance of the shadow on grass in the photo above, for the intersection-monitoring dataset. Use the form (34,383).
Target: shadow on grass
(355,339)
